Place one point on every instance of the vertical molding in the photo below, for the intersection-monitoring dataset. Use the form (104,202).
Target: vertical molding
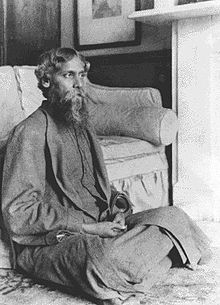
(175,97)
(1,55)
(3,39)
(215,113)
(4,31)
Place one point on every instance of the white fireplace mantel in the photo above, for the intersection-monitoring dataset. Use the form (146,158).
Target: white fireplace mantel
(196,99)
(177,12)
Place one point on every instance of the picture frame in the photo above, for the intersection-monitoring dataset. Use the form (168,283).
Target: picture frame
(105,24)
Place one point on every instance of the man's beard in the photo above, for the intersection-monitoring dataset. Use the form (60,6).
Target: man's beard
(70,108)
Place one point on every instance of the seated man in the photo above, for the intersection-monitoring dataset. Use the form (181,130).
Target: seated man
(66,225)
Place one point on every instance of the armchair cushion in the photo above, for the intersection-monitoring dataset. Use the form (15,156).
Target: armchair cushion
(127,157)
(10,107)
(31,95)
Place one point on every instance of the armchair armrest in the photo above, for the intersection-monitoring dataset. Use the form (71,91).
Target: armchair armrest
(134,112)
(136,96)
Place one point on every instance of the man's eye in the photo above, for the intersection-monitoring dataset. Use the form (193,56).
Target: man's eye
(69,75)
(83,74)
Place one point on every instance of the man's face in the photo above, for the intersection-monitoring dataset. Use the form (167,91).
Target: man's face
(66,92)
(71,76)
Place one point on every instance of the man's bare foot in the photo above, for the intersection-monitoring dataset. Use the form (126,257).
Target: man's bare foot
(111,302)
(132,300)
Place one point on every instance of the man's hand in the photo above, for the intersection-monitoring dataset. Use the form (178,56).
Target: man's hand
(104,229)
(120,218)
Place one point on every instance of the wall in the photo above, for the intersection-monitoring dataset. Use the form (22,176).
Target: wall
(153,37)
(31,27)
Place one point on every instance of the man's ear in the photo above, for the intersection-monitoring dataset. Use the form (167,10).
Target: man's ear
(46,83)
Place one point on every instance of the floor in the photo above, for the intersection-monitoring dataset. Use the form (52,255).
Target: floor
(180,287)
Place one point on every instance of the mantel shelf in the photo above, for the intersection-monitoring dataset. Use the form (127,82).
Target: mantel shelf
(177,12)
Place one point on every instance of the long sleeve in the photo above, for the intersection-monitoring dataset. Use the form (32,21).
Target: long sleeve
(28,216)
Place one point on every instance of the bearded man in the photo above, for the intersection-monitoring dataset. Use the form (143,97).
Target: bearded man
(65,223)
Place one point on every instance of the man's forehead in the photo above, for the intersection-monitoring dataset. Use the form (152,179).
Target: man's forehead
(75,64)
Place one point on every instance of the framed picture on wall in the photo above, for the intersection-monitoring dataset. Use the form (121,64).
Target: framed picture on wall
(105,24)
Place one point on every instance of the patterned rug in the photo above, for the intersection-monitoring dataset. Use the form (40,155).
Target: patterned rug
(180,287)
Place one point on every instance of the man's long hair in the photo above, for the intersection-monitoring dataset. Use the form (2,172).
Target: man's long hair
(50,62)
(70,108)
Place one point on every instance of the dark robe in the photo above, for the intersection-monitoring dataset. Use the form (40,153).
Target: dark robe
(54,180)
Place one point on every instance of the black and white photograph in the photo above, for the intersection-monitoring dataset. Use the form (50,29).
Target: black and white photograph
(109,152)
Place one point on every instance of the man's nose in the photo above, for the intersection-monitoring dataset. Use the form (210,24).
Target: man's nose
(78,83)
